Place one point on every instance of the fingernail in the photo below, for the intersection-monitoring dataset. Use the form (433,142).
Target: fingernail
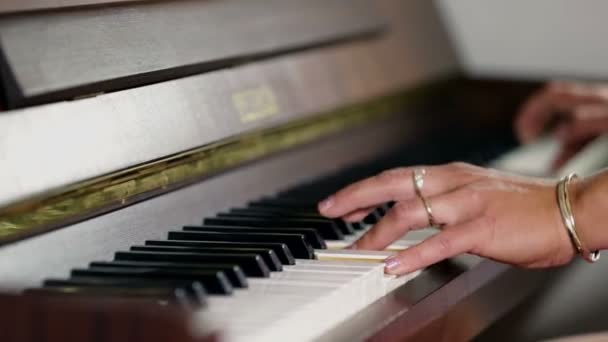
(352,247)
(326,204)
(391,264)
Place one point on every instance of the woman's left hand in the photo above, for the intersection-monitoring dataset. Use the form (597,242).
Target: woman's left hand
(504,217)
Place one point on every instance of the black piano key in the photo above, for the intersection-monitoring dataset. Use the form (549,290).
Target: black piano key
(252,264)
(327,230)
(272,211)
(357,225)
(272,208)
(311,235)
(194,298)
(381,210)
(127,287)
(297,243)
(271,259)
(215,282)
(378,213)
(287,203)
(280,249)
(234,273)
(345,227)
(372,218)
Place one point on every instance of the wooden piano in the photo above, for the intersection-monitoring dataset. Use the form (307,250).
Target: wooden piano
(160,162)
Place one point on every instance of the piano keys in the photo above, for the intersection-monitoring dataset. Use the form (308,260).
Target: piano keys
(242,273)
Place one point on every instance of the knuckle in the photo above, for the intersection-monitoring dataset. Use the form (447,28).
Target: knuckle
(472,194)
(414,256)
(393,175)
(459,165)
(393,179)
(475,197)
(445,245)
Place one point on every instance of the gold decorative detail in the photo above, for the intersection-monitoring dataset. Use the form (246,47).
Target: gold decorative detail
(105,193)
(256,103)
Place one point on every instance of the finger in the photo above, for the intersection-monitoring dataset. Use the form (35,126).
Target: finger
(450,208)
(392,185)
(371,192)
(358,215)
(450,242)
(589,122)
(557,97)
(533,117)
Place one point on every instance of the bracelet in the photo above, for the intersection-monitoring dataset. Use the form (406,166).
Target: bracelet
(565,208)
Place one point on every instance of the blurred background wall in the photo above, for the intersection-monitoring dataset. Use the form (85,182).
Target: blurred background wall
(530,39)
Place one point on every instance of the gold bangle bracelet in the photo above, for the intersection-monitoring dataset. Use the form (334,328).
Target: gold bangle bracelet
(565,208)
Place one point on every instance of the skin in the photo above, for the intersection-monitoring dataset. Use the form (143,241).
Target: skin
(485,212)
(579,110)
(501,216)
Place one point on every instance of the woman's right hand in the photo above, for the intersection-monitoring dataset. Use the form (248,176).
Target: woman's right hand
(501,216)
(580,109)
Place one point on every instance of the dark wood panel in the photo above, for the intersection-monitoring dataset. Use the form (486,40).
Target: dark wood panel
(60,319)
(67,54)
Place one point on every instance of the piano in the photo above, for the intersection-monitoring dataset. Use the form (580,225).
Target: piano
(161,162)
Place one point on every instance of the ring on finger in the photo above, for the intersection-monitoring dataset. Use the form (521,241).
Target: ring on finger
(418,179)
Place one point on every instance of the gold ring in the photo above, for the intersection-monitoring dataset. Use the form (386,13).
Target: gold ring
(418,179)
(429,212)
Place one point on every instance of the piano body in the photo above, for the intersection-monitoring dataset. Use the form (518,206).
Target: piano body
(160,162)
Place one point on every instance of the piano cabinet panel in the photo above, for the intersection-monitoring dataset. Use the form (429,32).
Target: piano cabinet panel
(451,301)
(464,307)
(35,318)
(13,6)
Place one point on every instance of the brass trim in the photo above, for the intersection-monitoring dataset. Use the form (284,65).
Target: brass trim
(105,193)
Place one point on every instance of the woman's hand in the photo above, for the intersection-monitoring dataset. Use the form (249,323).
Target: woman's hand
(500,216)
(580,112)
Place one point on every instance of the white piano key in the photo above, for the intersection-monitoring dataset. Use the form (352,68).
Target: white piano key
(306,299)
(333,263)
(411,238)
(329,310)
(357,255)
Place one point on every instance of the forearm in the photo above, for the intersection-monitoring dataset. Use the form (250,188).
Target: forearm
(591,210)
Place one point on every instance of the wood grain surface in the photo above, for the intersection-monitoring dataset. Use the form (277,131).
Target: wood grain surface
(58,319)
(59,55)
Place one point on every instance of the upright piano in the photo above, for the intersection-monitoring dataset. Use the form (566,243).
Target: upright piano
(161,161)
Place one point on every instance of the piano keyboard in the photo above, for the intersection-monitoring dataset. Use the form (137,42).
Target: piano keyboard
(274,260)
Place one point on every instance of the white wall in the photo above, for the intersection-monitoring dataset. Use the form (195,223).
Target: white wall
(531,39)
